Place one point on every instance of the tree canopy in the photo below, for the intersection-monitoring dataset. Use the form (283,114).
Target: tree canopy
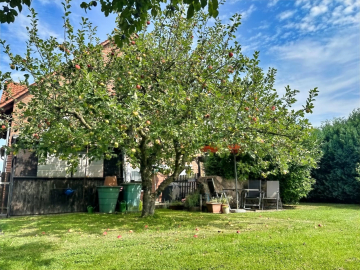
(161,98)
(338,175)
(132,15)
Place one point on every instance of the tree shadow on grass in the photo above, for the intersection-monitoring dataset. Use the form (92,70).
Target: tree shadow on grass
(347,207)
(30,254)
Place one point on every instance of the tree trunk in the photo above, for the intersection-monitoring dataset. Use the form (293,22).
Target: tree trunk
(148,203)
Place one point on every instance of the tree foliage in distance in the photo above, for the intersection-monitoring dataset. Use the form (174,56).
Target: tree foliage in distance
(295,183)
(134,14)
(160,99)
(338,175)
(9,12)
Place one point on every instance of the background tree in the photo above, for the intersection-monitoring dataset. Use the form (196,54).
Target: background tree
(160,99)
(338,175)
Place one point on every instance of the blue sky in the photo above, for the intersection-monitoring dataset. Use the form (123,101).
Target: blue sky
(312,43)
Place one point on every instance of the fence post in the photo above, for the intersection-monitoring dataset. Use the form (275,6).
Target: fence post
(200,202)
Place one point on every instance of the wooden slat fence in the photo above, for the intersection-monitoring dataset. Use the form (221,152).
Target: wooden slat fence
(187,185)
(4,194)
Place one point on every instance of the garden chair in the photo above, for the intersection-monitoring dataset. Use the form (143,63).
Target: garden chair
(212,188)
(214,192)
(253,193)
(272,193)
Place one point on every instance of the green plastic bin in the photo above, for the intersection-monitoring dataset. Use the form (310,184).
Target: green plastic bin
(132,192)
(108,198)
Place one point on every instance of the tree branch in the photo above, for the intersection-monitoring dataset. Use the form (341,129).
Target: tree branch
(77,116)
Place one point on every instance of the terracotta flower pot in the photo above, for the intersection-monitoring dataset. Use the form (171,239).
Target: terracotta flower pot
(214,207)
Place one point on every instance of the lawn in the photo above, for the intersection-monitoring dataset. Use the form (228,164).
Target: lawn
(308,236)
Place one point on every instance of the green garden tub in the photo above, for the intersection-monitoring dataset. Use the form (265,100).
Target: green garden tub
(108,197)
(132,192)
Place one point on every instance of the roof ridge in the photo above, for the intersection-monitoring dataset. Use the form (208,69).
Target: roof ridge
(5,99)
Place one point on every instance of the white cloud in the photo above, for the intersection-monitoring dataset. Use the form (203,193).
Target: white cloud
(18,28)
(286,14)
(317,10)
(332,64)
(246,14)
(258,35)
(56,2)
(324,15)
(272,3)
(264,25)
(299,2)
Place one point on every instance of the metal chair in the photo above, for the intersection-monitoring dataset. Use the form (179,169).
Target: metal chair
(253,192)
(214,192)
(272,193)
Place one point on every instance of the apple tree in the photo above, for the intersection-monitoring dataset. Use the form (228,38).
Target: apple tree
(161,98)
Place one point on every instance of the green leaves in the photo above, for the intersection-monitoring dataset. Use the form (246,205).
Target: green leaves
(203,3)
(190,12)
(337,176)
(8,14)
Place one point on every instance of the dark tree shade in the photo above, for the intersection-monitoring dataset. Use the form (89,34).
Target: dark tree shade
(337,178)
(8,9)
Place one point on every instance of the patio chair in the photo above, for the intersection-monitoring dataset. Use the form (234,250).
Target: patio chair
(253,193)
(272,193)
(214,192)
(212,188)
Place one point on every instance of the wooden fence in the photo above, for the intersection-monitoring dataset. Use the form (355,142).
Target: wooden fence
(178,189)
(4,193)
(31,196)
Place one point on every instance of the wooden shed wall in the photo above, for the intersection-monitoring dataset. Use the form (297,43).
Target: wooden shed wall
(33,196)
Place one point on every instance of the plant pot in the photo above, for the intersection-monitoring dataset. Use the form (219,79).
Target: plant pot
(225,209)
(90,209)
(176,207)
(214,207)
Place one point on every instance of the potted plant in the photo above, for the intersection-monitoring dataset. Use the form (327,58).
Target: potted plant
(192,201)
(214,206)
(90,209)
(225,205)
(225,208)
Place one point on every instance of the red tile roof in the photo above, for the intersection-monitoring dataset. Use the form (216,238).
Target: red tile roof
(16,91)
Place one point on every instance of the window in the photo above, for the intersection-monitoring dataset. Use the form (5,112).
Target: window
(55,168)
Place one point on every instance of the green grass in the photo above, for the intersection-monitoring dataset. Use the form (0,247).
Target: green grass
(289,239)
